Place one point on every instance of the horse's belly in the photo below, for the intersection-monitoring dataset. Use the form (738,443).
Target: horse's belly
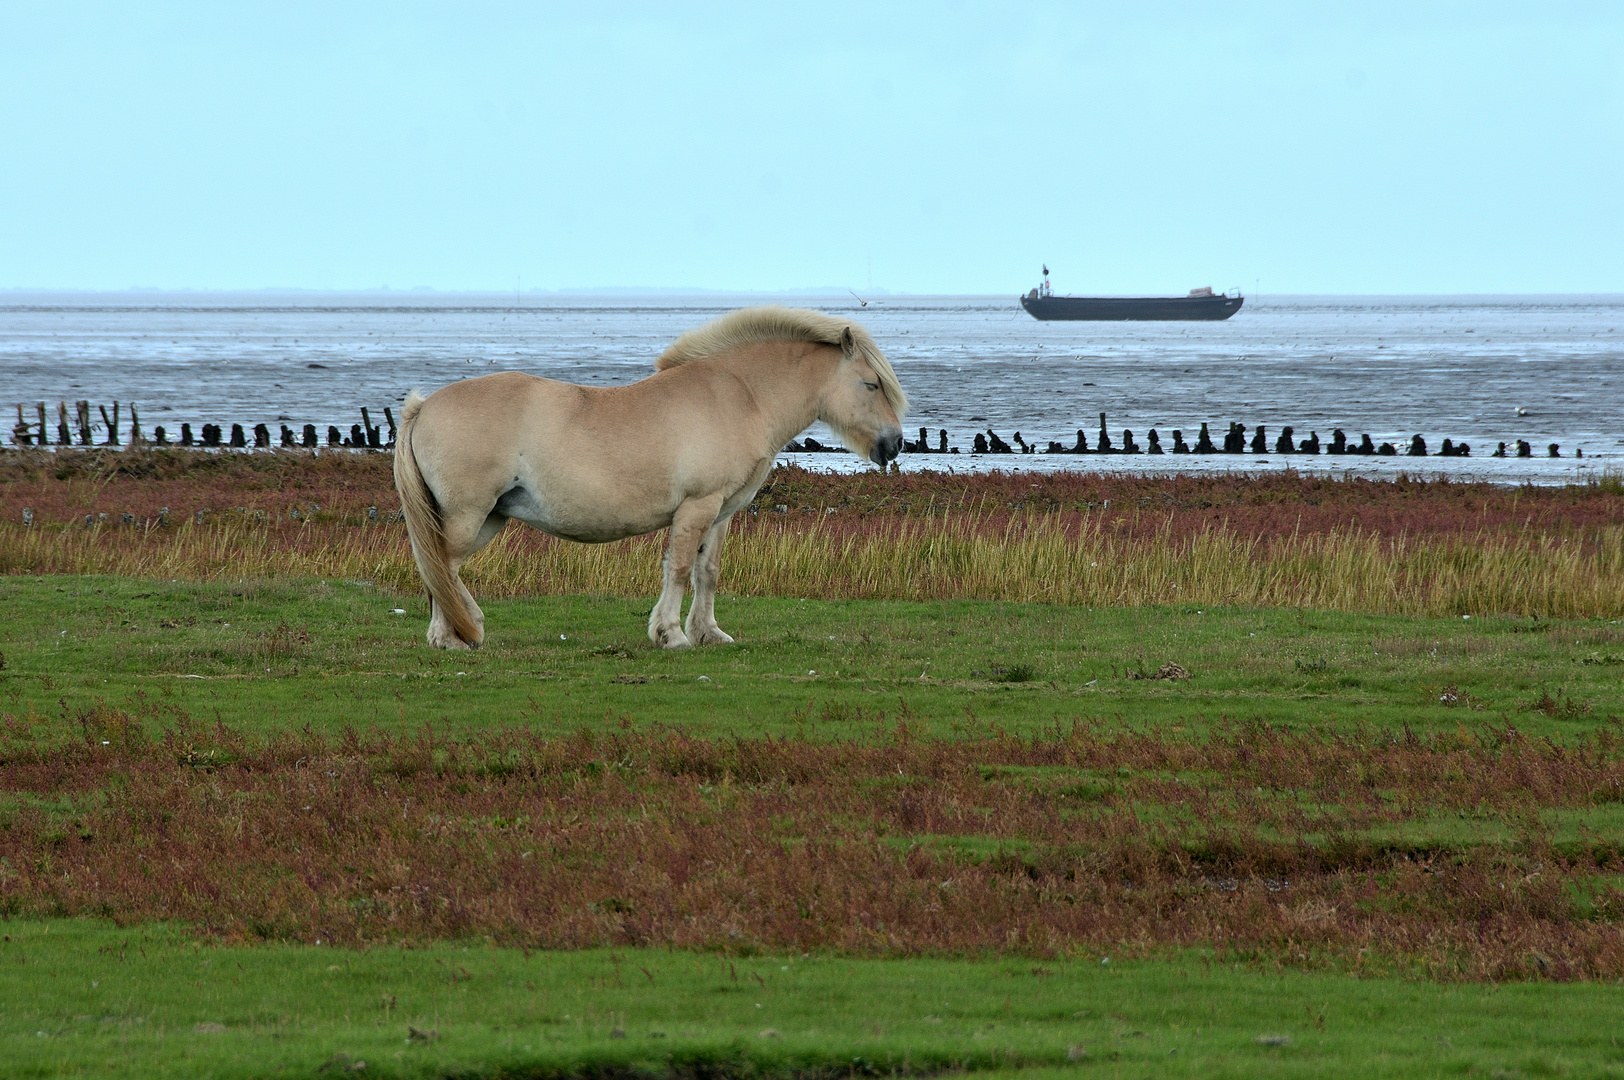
(579,523)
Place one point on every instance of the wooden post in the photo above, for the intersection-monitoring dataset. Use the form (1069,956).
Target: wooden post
(63,438)
(19,432)
(83,410)
(110,424)
(135,426)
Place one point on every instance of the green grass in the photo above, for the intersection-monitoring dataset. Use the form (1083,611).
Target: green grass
(88,998)
(269,655)
(83,997)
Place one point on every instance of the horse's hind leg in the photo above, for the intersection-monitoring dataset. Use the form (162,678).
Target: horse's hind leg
(702,628)
(689,525)
(463,543)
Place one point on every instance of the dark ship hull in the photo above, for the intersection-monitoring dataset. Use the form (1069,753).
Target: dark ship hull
(1108,308)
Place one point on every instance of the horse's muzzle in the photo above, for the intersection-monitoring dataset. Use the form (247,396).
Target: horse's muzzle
(887,446)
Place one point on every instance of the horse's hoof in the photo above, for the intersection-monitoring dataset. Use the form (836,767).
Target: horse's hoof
(447,640)
(714,636)
(671,639)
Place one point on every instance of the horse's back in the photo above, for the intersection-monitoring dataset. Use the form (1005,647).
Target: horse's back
(496,401)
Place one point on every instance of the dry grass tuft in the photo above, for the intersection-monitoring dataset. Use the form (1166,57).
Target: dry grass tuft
(1029,558)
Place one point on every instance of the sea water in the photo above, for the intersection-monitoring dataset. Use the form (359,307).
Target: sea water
(1476,369)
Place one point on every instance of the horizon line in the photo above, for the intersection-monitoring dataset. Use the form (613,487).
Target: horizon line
(689,291)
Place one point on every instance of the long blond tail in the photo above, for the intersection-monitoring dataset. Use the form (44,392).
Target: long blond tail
(424,527)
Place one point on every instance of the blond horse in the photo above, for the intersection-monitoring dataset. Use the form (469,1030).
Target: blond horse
(686,447)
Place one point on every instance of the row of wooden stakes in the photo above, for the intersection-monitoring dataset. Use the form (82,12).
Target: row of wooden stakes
(368,436)
(1235,442)
(83,431)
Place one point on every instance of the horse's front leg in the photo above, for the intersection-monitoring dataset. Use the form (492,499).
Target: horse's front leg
(689,525)
(701,627)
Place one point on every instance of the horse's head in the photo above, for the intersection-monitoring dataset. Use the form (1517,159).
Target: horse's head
(863,402)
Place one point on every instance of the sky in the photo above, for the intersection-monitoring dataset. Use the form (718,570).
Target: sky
(905,148)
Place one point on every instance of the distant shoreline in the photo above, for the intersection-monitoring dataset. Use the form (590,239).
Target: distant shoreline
(844,296)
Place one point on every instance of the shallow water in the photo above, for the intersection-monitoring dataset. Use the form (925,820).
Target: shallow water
(1390,366)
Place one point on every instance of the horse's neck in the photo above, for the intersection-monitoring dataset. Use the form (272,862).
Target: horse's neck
(787,384)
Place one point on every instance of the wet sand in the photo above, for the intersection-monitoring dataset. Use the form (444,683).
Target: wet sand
(1443,367)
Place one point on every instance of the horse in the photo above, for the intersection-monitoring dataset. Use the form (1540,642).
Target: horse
(685,448)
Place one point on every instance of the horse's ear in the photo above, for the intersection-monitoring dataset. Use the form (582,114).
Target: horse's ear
(848,344)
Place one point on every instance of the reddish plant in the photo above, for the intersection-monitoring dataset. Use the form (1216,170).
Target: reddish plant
(63,487)
(1306,847)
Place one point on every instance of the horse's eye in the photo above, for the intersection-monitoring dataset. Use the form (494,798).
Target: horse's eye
(871,385)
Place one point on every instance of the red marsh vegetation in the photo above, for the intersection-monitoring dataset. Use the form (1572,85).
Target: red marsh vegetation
(63,487)
(1466,856)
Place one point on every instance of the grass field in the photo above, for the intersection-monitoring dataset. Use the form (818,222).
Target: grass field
(272,654)
(82,998)
(1319,822)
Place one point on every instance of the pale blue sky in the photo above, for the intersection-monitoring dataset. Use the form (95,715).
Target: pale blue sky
(950,148)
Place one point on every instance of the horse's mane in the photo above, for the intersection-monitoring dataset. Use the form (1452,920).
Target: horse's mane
(774,323)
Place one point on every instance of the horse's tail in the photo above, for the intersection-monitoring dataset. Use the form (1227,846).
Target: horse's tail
(424,527)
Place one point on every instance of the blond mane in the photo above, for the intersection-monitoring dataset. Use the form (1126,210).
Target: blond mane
(774,323)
